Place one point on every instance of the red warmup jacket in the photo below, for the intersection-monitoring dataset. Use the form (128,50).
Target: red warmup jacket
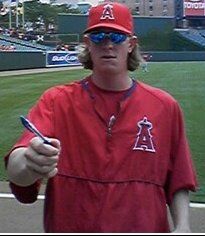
(117,175)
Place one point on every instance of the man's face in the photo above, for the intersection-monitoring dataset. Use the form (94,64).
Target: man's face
(109,50)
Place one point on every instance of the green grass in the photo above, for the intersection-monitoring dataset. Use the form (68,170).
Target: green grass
(18,94)
(184,80)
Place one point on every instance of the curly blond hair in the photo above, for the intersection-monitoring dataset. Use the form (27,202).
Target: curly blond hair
(133,61)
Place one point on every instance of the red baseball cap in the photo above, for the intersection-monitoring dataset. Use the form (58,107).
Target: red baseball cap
(111,15)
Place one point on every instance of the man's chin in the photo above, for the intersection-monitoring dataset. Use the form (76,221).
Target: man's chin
(109,68)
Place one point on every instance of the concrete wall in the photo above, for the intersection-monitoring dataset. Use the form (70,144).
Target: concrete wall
(22,60)
(178,56)
(31,60)
(76,24)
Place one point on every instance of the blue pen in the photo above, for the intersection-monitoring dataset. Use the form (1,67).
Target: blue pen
(28,125)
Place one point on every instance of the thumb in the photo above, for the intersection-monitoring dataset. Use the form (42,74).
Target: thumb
(55,143)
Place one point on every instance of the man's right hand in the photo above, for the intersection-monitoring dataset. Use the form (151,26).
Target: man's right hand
(37,161)
(42,158)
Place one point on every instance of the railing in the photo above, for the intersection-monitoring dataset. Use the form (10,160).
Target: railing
(10,46)
(28,44)
(196,36)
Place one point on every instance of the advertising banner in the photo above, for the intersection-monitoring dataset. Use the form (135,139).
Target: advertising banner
(62,58)
(194,7)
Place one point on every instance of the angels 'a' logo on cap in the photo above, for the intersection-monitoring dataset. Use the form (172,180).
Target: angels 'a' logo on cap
(107,12)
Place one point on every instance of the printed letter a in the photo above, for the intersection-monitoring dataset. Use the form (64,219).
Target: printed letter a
(144,137)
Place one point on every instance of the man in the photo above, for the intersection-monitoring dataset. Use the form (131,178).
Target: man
(144,62)
(119,152)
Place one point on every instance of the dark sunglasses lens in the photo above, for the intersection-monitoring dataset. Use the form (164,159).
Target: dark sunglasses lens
(97,37)
(116,38)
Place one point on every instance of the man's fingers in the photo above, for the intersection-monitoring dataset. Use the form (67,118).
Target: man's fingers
(39,159)
(52,173)
(45,149)
(55,143)
(42,158)
(41,170)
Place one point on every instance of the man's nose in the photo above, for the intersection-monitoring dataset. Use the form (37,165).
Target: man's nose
(107,42)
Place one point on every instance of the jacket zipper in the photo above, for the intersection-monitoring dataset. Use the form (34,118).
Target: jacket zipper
(110,125)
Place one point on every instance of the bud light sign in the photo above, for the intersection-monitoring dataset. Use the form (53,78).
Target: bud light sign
(63,58)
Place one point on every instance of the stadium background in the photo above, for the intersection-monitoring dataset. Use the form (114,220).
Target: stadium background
(167,38)
(183,33)
(170,39)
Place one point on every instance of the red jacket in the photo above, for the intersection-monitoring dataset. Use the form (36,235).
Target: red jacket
(111,179)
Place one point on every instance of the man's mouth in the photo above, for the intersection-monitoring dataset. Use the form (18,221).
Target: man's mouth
(108,57)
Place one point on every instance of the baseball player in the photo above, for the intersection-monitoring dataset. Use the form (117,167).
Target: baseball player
(117,153)
(144,62)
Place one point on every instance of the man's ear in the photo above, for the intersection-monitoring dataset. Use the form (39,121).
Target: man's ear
(132,43)
(86,40)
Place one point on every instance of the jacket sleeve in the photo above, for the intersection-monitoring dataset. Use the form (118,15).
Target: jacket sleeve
(181,174)
(41,115)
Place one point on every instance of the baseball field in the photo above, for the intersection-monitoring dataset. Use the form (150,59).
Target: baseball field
(184,80)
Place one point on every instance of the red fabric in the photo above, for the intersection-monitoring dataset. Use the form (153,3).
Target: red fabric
(106,183)
(26,194)
(110,15)
(107,100)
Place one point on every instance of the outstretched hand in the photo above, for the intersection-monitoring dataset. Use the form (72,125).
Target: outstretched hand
(42,159)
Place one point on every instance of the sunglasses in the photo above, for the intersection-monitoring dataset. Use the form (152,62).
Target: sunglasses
(114,37)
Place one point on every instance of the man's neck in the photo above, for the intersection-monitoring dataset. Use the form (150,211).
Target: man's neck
(114,82)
